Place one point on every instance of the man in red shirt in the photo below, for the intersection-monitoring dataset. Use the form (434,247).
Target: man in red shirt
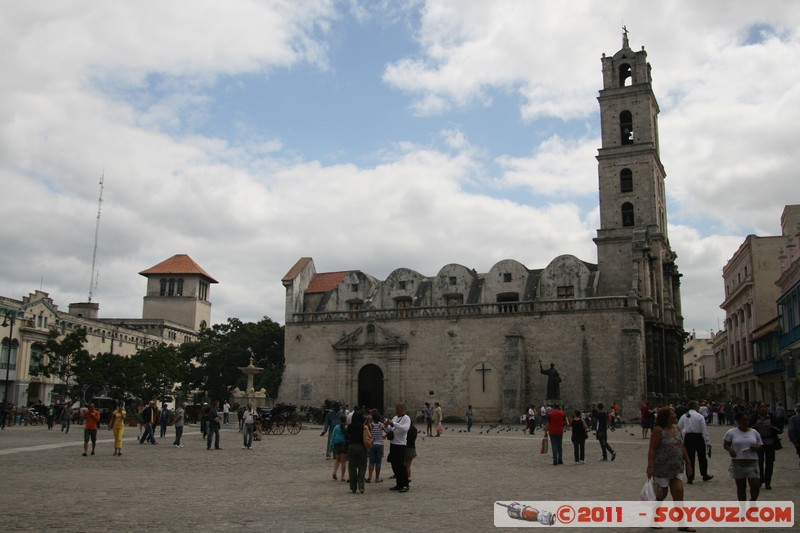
(90,429)
(556,421)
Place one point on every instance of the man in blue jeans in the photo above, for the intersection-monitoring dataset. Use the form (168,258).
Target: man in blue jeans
(213,426)
(331,421)
(602,433)
(149,417)
(556,421)
(249,418)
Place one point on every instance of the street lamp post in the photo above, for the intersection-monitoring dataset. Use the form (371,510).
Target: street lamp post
(9,318)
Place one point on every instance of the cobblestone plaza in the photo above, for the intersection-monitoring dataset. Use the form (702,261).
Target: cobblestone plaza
(284,483)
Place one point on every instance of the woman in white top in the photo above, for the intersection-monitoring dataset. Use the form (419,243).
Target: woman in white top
(743,443)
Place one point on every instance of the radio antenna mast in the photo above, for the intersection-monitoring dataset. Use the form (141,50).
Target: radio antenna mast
(93,281)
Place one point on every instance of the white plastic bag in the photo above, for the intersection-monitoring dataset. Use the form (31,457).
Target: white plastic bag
(648,493)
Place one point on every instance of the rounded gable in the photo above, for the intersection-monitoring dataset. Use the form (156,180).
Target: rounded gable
(505,281)
(403,284)
(565,277)
(452,284)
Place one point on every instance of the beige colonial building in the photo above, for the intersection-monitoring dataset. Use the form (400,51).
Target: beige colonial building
(699,365)
(789,310)
(176,307)
(751,366)
(613,329)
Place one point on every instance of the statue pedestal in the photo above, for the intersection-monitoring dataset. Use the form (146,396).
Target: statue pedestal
(257,397)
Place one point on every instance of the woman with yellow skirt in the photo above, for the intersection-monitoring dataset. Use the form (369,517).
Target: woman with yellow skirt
(117,424)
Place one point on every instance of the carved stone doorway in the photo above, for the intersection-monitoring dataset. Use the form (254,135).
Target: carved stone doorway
(370,387)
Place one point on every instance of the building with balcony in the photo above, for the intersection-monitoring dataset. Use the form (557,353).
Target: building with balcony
(788,284)
(177,320)
(754,369)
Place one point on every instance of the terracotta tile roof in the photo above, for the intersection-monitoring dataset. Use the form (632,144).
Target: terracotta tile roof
(326,281)
(296,269)
(178,264)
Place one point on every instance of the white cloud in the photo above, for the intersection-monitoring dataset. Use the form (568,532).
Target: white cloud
(560,167)
(117,85)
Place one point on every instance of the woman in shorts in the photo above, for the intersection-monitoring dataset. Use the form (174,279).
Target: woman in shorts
(743,443)
(411,448)
(375,454)
(339,441)
(667,458)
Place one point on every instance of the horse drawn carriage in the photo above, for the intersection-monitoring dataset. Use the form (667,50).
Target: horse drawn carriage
(278,419)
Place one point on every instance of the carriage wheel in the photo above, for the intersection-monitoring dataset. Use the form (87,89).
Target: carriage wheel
(278,425)
(295,427)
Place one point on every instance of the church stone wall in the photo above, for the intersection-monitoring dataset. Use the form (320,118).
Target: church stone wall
(447,360)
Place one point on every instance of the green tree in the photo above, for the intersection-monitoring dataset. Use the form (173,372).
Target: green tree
(219,352)
(65,359)
(109,369)
(152,373)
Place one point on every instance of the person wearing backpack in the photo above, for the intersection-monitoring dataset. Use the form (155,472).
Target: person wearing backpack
(339,443)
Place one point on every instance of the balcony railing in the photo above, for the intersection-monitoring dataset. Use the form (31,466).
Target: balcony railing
(765,367)
(471,310)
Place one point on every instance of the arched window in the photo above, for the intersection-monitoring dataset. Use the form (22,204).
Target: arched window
(626,180)
(8,360)
(163,291)
(171,289)
(37,356)
(626,127)
(627,215)
(625,75)
(179,289)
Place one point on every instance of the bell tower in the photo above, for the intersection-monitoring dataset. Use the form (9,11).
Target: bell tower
(633,251)
(178,290)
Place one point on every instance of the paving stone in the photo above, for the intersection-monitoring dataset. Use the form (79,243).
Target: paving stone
(284,483)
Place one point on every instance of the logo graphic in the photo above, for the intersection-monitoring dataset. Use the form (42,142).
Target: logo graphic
(524,512)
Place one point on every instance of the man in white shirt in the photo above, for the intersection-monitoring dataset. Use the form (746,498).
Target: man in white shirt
(399,425)
(696,440)
(249,418)
(703,410)
(531,419)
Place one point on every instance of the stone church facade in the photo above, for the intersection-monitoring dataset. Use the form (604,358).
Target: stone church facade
(614,329)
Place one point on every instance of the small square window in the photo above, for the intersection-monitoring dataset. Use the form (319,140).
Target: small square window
(453,280)
(354,287)
(431,393)
(566,291)
(402,285)
(507,277)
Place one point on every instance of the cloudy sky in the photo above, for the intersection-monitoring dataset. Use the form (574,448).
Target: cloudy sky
(372,135)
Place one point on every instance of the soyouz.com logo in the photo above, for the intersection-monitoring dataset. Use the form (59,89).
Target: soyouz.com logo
(643,514)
